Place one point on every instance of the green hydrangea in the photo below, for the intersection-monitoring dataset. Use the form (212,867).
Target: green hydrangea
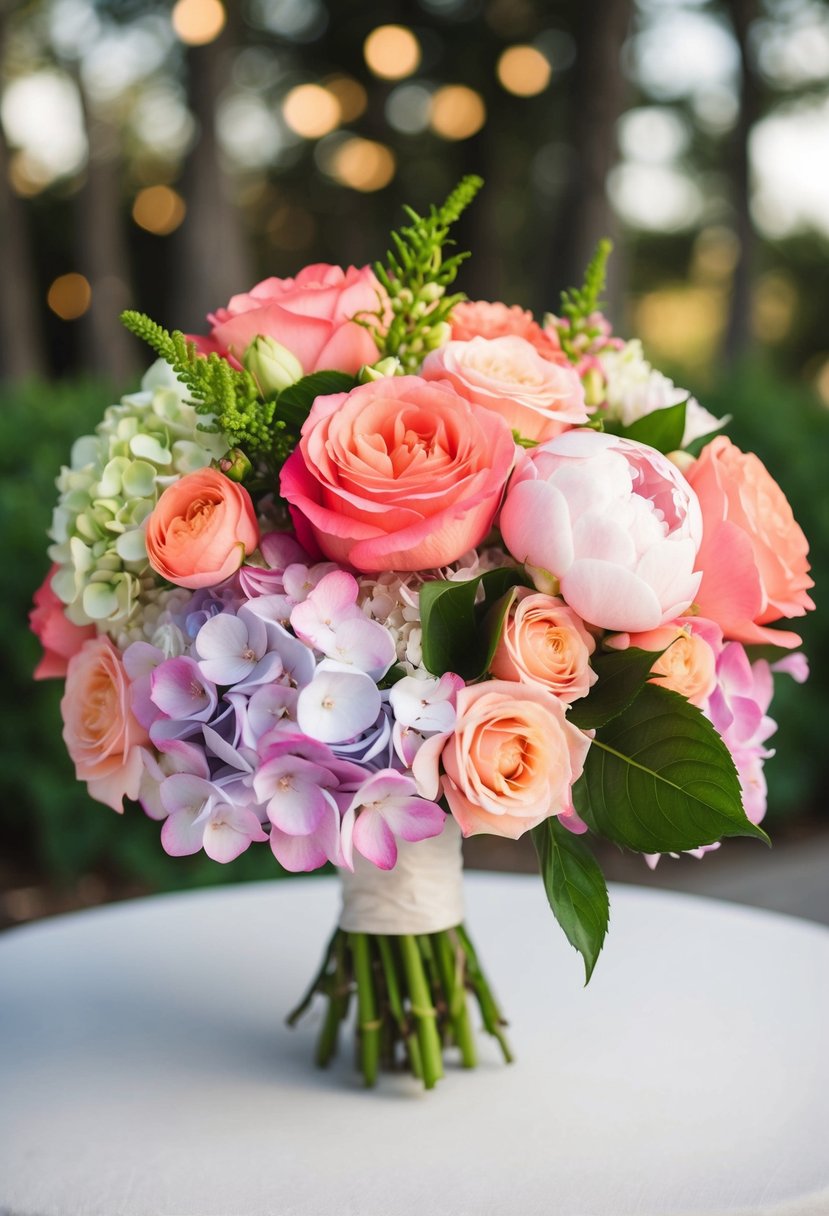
(113,481)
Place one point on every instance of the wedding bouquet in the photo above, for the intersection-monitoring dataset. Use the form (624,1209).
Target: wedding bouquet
(371,567)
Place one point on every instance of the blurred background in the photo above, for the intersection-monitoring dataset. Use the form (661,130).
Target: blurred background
(166,156)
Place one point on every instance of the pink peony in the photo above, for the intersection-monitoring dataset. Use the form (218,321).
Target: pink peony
(399,474)
(510,762)
(536,398)
(609,524)
(312,316)
(59,638)
(480,319)
(753,555)
(101,733)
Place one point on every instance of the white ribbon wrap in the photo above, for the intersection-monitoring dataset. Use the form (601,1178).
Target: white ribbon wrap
(422,894)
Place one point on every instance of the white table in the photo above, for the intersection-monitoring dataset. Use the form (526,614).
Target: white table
(145,1069)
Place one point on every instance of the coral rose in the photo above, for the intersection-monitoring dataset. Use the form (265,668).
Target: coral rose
(510,762)
(482,319)
(101,733)
(689,662)
(202,528)
(399,474)
(312,316)
(611,524)
(536,398)
(753,555)
(59,638)
(544,642)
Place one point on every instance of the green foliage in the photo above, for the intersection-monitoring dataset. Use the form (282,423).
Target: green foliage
(659,779)
(459,633)
(231,398)
(575,888)
(579,304)
(294,403)
(622,675)
(662,429)
(417,274)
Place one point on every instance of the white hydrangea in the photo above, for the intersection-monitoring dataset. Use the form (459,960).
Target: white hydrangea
(633,388)
(113,481)
(393,600)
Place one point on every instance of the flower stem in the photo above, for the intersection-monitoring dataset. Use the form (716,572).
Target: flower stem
(493,1019)
(450,960)
(423,1011)
(407,1035)
(368,1022)
(337,987)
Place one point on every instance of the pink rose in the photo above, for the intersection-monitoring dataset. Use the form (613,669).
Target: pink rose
(201,529)
(536,398)
(101,733)
(480,319)
(399,474)
(753,555)
(609,524)
(510,762)
(59,638)
(311,315)
(544,642)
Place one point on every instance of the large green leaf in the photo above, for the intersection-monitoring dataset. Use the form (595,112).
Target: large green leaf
(459,634)
(622,675)
(575,887)
(294,403)
(659,779)
(661,429)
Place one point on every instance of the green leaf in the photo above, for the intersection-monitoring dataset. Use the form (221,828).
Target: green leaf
(659,779)
(293,404)
(696,445)
(661,429)
(575,887)
(459,634)
(622,675)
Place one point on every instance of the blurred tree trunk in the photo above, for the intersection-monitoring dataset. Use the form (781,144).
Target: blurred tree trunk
(21,343)
(211,256)
(108,350)
(599,97)
(738,338)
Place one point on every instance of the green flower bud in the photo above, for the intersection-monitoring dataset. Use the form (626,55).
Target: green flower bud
(234,464)
(379,371)
(272,365)
(594,389)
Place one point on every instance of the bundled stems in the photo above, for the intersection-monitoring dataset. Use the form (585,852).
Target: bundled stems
(411,1001)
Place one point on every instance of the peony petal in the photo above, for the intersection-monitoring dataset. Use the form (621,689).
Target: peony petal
(536,527)
(610,597)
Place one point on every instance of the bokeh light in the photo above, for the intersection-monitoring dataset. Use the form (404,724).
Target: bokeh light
(457,112)
(524,71)
(392,52)
(311,111)
(350,94)
(363,164)
(408,108)
(197,22)
(158,209)
(69,296)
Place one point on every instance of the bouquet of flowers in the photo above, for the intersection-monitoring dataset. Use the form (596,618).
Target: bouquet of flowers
(371,567)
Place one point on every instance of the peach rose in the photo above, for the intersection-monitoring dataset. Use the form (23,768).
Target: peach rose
(510,762)
(312,316)
(689,663)
(536,398)
(480,319)
(102,736)
(59,638)
(753,555)
(202,528)
(398,474)
(545,642)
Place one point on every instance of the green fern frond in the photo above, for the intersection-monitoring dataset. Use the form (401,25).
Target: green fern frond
(230,397)
(415,277)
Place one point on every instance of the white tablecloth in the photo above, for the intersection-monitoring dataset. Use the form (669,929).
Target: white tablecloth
(145,1069)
